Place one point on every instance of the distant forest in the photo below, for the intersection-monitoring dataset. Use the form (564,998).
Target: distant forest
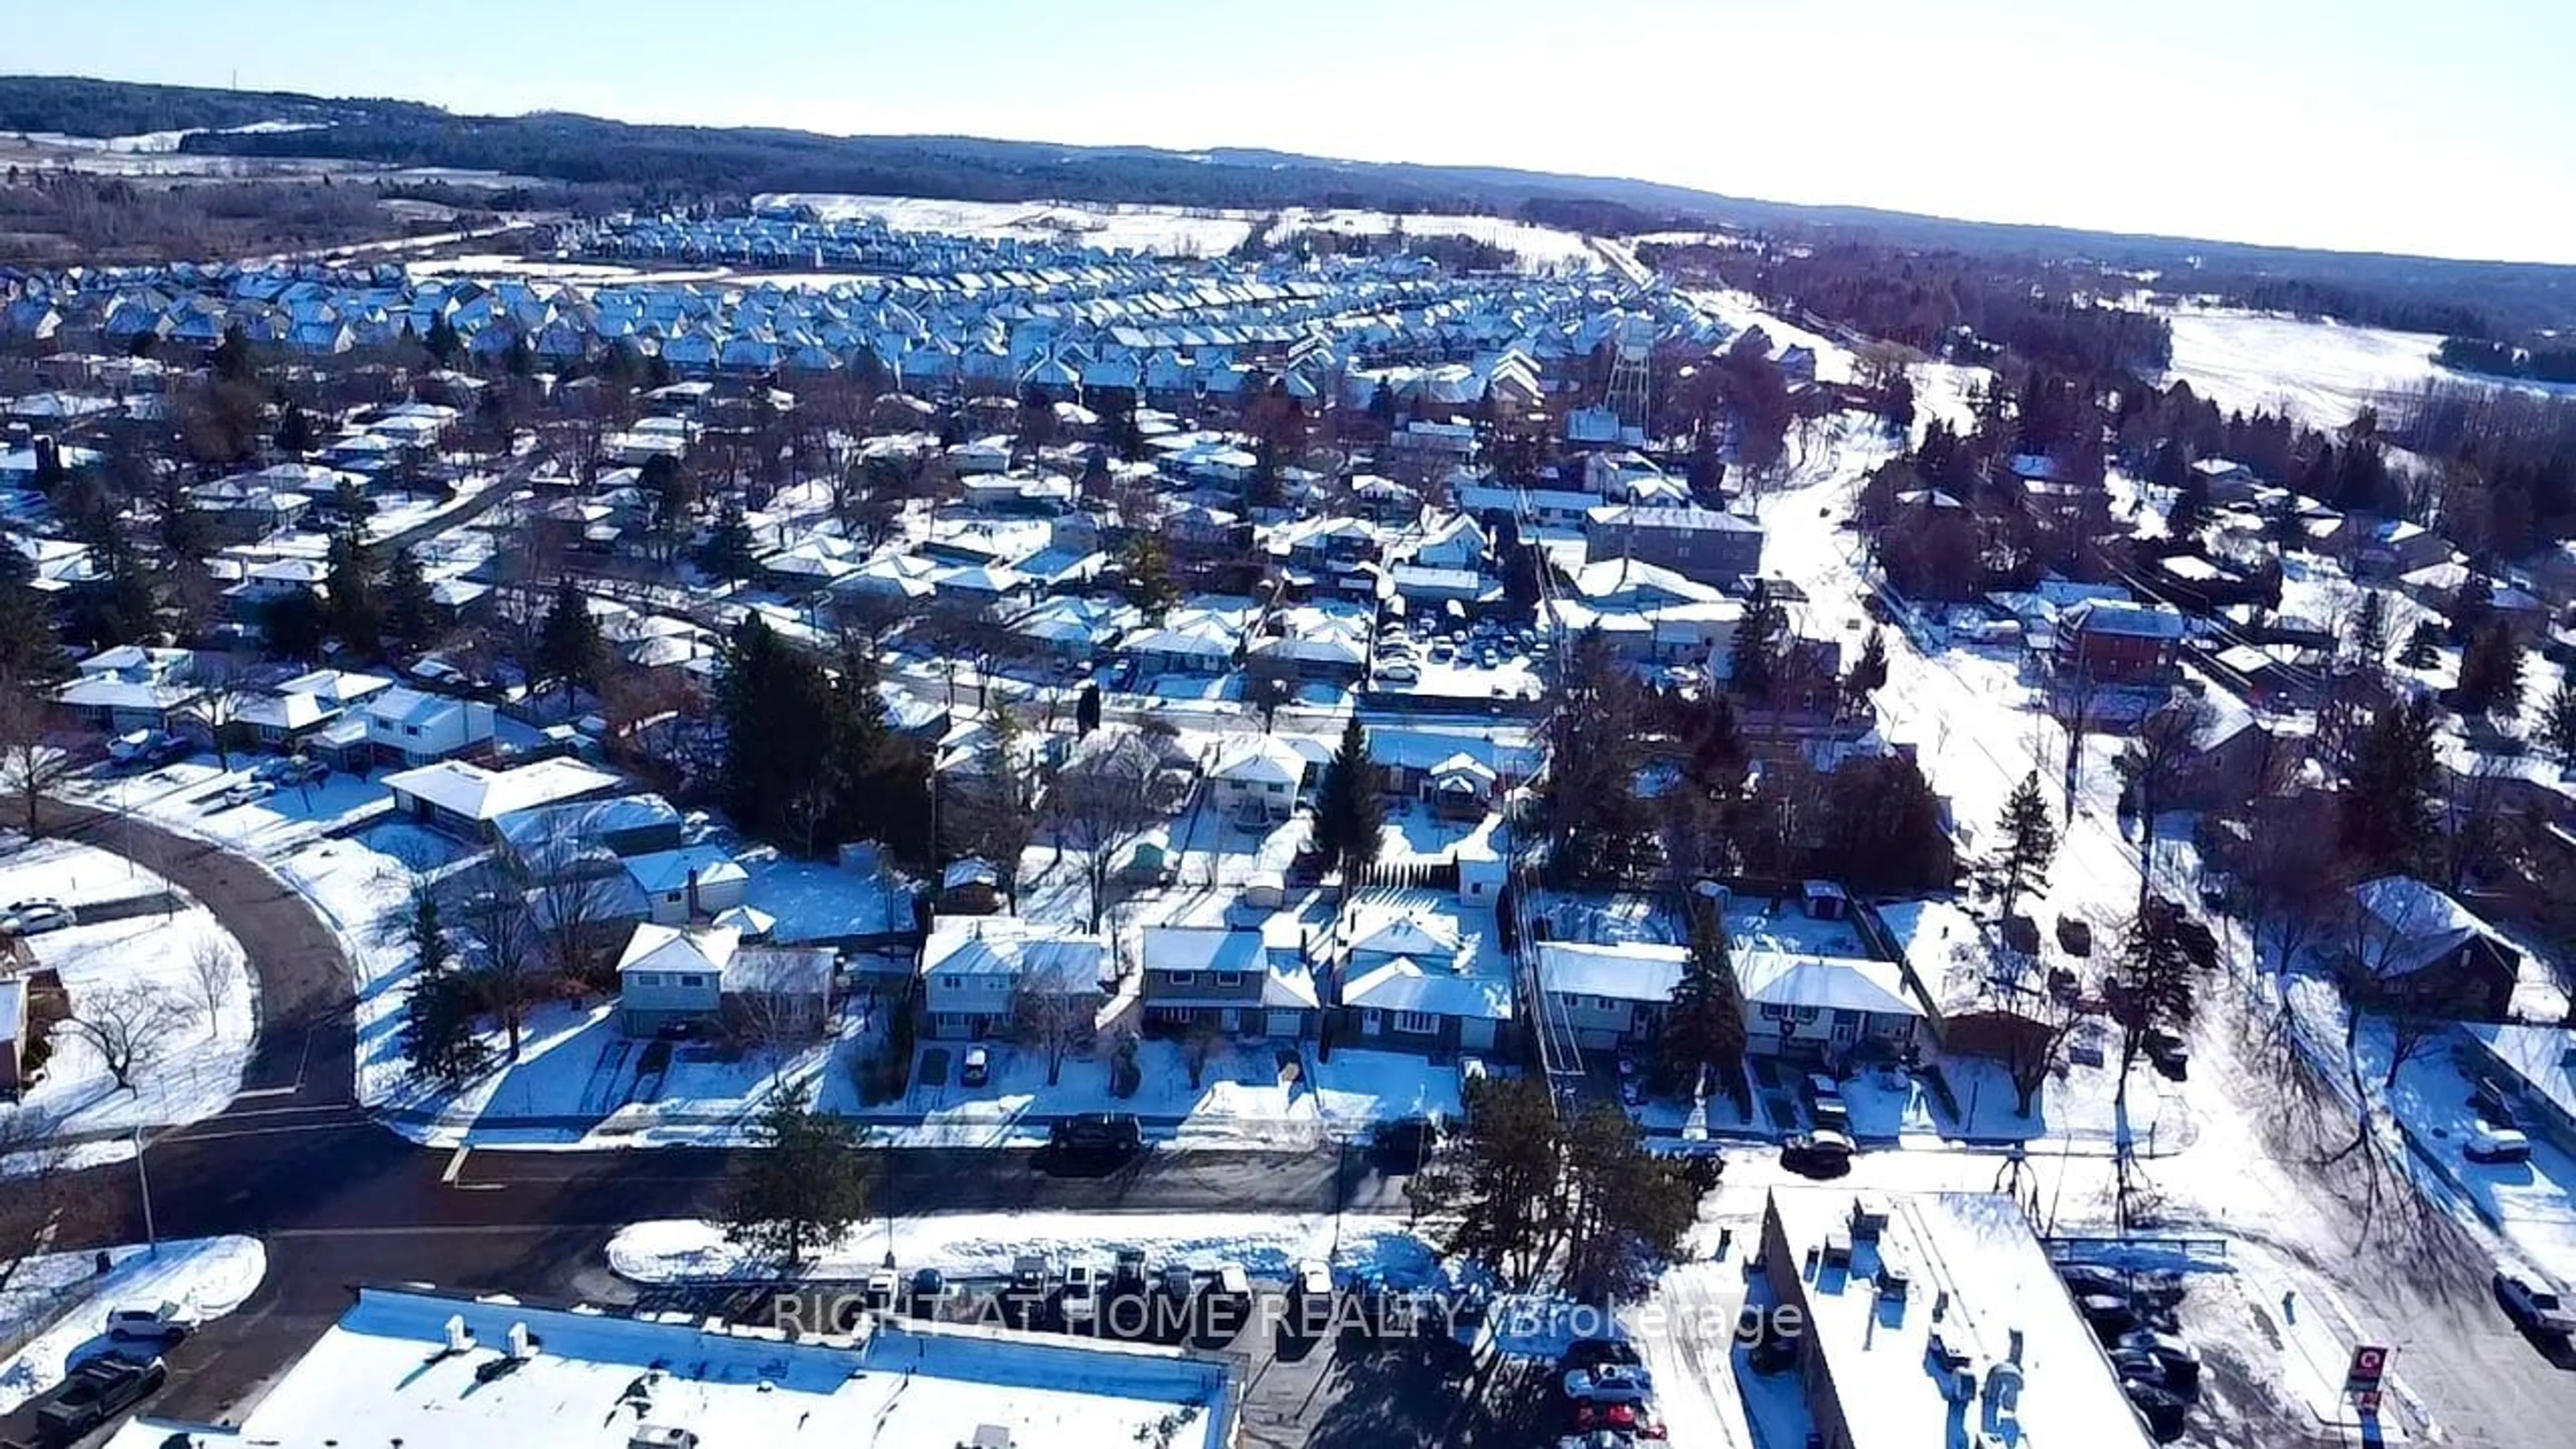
(674,165)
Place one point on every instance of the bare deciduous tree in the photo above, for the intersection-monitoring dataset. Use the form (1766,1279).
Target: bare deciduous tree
(2167,742)
(34,1161)
(509,957)
(1100,804)
(211,971)
(1052,1014)
(35,750)
(129,1026)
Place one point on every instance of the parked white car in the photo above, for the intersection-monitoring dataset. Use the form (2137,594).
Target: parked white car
(2497,1144)
(162,1322)
(37,916)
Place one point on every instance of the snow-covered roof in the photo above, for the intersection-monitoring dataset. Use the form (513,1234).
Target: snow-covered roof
(1259,759)
(665,871)
(2418,924)
(678,948)
(593,1381)
(468,790)
(1976,1253)
(1826,983)
(1203,948)
(1405,936)
(1628,971)
(1404,984)
(1008,946)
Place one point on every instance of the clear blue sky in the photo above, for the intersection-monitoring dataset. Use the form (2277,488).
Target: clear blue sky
(2387,125)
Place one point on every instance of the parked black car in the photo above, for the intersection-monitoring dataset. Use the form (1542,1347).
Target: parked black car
(1097,1132)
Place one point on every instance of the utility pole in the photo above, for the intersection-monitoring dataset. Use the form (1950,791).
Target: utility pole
(143,1180)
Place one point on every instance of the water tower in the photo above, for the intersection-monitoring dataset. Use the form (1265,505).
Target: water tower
(1631,363)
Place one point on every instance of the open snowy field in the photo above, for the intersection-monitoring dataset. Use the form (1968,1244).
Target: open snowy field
(2321,372)
(1163,231)
(1537,246)
(53,1314)
(166,988)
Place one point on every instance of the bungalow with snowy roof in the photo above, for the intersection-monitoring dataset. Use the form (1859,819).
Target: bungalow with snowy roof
(2410,947)
(1187,642)
(131,687)
(592,836)
(1420,975)
(1815,1007)
(285,715)
(973,968)
(469,801)
(1243,982)
(1533,507)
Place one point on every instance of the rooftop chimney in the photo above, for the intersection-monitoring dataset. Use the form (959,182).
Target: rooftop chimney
(520,1345)
(458,1339)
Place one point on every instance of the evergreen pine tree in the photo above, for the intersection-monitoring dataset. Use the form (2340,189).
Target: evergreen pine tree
(2559,731)
(31,652)
(1703,1035)
(411,617)
(570,650)
(294,432)
(2470,606)
(1149,576)
(728,550)
(2369,639)
(442,343)
(804,1183)
(2491,672)
(439,1039)
(2030,841)
(1350,813)
(1759,637)
(352,608)
(2423,647)
(1869,672)
(2388,820)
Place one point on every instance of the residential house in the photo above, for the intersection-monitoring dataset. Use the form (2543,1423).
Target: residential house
(413,727)
(2534,1066)
(132,688)
(1824,1008)
(972,968)
(592,836)
(1255,780)
(2412,948)
(1461,788)
(1237,980)
(469,801)
(1701,544)
(1412,978)
(284,716)
(669,975)
(692,883)
(2119,644)
(1612,996)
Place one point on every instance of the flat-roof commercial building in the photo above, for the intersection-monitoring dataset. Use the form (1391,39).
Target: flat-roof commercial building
(430,1371)
(1936,1318)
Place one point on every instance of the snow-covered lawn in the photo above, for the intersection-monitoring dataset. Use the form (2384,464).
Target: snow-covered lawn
(580,1082)
(53,1314)
(2531,1204)
(175,986)
(982,1245)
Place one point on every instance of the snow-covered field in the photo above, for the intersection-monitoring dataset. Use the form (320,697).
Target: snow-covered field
(1537,246)
(2320,372)
(1162,231)
(53,1314)
(173,985)
(982,1245)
